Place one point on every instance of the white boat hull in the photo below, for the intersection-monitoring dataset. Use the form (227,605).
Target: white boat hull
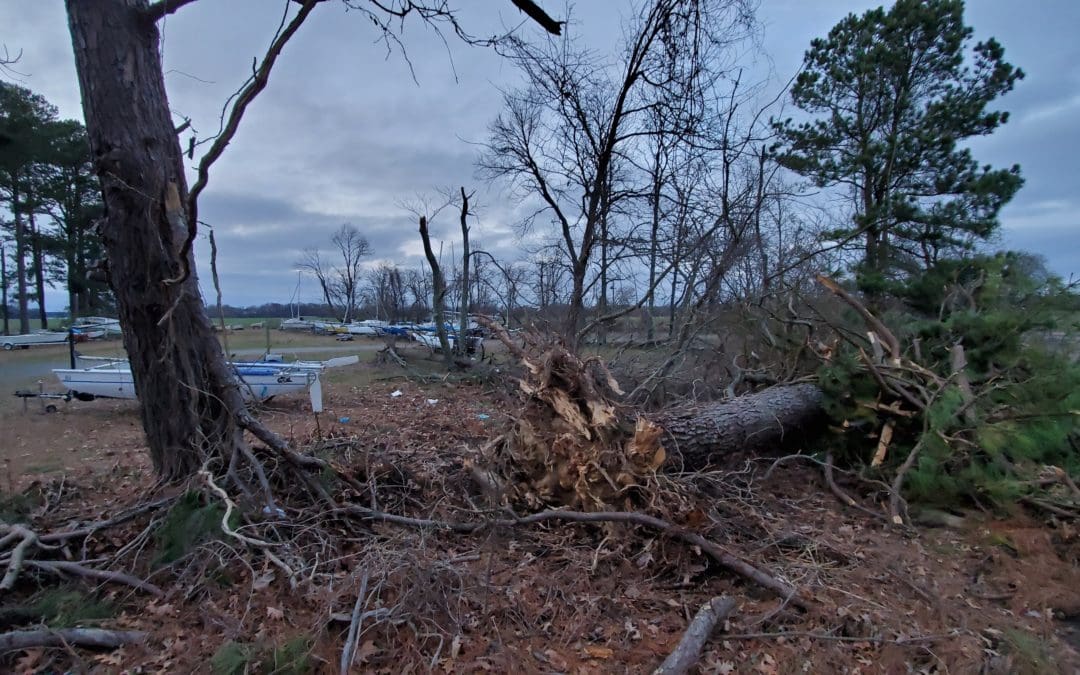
(115,381)
(9,342)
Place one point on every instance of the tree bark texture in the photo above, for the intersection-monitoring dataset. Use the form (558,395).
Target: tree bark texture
(686,654)
(701,436)
(185,388)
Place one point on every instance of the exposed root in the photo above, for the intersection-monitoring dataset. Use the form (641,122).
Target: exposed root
(573,444)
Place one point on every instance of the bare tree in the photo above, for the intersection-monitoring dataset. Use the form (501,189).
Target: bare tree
(570,138)
(340,281)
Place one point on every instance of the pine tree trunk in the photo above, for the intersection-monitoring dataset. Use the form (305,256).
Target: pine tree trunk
(702,435)
(188,398)
(4,286)
(39,271)
(20,262)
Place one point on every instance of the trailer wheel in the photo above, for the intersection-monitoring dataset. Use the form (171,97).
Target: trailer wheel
(50,408)
(8,346)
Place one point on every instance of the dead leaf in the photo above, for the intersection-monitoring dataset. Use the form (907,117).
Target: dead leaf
(596,652)
(274,614)
(367,650)
(161,610)
(28,662)
(556,660)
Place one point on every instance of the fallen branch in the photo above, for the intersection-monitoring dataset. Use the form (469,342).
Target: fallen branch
(102,524)
(28,539)
(83,637)
(713,550)
(65,567)
(1050,508)
(827,469)
(688,651)
(348,653)
(875,323)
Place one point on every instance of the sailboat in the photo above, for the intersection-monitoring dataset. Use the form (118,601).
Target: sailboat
(295,321)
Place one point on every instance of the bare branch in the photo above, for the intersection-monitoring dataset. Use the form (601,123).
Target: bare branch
(247,95)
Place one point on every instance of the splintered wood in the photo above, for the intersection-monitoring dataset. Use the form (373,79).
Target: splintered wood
(573,444)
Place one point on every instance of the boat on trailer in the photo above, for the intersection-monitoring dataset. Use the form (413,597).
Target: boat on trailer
(41,337)
(259,380)
(114,380)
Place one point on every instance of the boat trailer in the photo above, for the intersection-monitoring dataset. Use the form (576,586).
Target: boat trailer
(42,396)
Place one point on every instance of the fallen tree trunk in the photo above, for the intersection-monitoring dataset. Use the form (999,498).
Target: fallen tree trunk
(699,436)
(576,443)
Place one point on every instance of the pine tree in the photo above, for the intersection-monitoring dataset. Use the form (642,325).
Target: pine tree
(893,95)
(24,117)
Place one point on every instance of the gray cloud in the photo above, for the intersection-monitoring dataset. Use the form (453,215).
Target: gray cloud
(343,134)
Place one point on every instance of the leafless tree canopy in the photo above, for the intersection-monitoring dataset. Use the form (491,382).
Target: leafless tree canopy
(340,278)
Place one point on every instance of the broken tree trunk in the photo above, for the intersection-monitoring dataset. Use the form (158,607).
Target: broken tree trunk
(575,444)
(700,436)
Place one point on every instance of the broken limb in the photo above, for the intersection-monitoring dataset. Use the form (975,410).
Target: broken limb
(65,567)
(685,656)
(719,555)
(827,469)
(82,637)
(28,538)
(87,530)
(348,653)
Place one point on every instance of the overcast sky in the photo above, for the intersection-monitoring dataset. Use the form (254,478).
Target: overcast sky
(344,134)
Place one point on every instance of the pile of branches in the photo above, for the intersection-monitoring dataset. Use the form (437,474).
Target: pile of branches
(915,403)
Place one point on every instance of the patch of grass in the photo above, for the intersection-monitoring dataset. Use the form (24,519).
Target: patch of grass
(190,523)
(1002,540)
(65,607)
(1031,654)
(15,508)
(231,658)
(44,467)
(289,658)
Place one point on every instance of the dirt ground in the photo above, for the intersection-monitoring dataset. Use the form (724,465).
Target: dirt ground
(996,596)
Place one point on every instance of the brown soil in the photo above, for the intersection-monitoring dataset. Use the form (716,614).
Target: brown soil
(995,597)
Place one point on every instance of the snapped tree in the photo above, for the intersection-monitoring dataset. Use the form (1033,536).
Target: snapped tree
(893,95)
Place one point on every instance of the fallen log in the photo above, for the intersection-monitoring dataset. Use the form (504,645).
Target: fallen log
(685,656)
(699,436)
(64,637)
(576,443)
